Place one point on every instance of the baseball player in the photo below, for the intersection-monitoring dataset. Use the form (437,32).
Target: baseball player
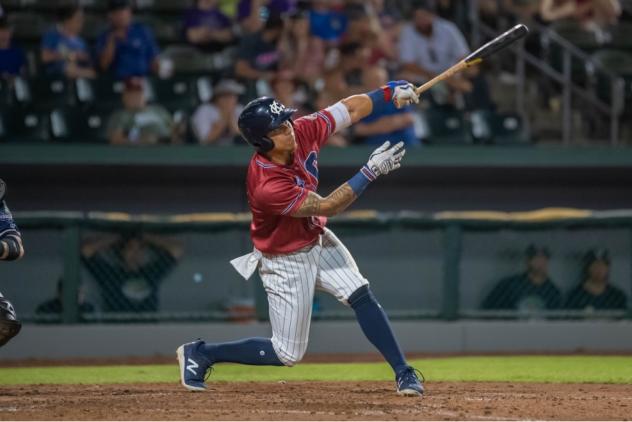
(293,250)
(10,249)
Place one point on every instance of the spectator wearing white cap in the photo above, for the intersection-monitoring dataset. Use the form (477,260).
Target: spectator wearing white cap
(216,123)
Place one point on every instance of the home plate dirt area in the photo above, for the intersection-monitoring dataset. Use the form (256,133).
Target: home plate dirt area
(316,400)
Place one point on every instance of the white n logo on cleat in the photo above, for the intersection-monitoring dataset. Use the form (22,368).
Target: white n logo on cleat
(192,366)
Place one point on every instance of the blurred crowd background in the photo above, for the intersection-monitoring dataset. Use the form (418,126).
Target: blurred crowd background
(163,71)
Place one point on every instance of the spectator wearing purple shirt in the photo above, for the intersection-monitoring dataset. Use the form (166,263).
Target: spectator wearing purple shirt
(12,58)
(64,52)
(206,27)
(252,14)
(126,48)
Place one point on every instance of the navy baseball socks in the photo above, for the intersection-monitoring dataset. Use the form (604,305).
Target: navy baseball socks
(250,351)
(377,329)
(197,358)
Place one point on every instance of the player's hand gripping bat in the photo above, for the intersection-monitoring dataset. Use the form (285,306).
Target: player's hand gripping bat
(498,43)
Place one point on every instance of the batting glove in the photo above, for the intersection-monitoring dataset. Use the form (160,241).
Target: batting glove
(403,93)
(384,159)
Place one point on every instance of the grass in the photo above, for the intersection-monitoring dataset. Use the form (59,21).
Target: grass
(556,369)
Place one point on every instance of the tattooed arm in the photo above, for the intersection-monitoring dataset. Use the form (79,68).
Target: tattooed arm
(383,160)
(335,203)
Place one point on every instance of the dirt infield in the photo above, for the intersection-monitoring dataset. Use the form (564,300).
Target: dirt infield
(317,400)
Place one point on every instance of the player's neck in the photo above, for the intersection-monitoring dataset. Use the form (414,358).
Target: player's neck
(281,157)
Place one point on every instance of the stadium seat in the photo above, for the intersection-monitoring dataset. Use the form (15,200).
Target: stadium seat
(78,125)
(447,126)
(49,92)
(498,128)
(166,30)
(172,7)
(27,125)
(94,5)
(28,27)
(621,36)
(106,90)
(12,5)
(94,25)
(580,38)
(188,60)
(618,62)
(46,6)
(6,93)
(174,93)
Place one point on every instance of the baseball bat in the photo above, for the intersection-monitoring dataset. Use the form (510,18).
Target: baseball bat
(498,43)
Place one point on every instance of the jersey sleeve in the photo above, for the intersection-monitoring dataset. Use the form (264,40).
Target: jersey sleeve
(316,127)
(279,196)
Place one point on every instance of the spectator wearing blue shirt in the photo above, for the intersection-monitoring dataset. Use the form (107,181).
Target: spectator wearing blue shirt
(326,22)
(207,27)
(390,124)
(64,52)
(126,49)
(12,58)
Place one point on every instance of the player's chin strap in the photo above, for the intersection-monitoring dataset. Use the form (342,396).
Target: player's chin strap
(247,264)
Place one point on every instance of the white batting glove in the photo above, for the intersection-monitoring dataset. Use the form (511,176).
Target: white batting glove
(404,94)
(385,159)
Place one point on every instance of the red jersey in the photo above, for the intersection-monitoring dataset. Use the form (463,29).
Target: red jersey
(275,191)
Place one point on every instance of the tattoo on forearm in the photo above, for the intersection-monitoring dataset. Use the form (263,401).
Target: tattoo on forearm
(309,207)
(333,204)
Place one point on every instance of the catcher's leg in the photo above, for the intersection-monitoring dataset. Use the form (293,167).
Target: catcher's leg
(9,324)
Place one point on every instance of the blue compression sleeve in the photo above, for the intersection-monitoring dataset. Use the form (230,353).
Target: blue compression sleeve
(361,180)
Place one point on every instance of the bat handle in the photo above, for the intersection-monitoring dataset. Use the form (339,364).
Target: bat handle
(442,76)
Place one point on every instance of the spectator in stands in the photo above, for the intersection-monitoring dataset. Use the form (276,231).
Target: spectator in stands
(206,27)
(391,124)
(364,27)
(591,14)
(216,123)
(54,307)
(287,91)
(301,52)
(429,45)
(252,14)
(527,291)
(141,124)
(258,55)
(326,21)
(64,52)
(130,268)
(126,48)
(12,57)
(595,290)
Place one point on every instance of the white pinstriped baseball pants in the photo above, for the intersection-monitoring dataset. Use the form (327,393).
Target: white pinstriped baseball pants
(290,280)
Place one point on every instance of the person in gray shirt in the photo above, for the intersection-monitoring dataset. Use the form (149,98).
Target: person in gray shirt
(429,45)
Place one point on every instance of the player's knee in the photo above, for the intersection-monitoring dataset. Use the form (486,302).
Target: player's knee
(290,356)
(361,296)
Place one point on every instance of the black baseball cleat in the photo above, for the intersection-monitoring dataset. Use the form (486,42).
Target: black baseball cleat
(408,383)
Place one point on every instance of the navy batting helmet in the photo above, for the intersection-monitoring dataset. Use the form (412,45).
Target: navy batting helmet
(9,324)
(259,117)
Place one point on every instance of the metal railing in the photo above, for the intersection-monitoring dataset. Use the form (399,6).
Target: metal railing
(612,109)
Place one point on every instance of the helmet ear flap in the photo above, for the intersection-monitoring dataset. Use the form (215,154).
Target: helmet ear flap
(266,144)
